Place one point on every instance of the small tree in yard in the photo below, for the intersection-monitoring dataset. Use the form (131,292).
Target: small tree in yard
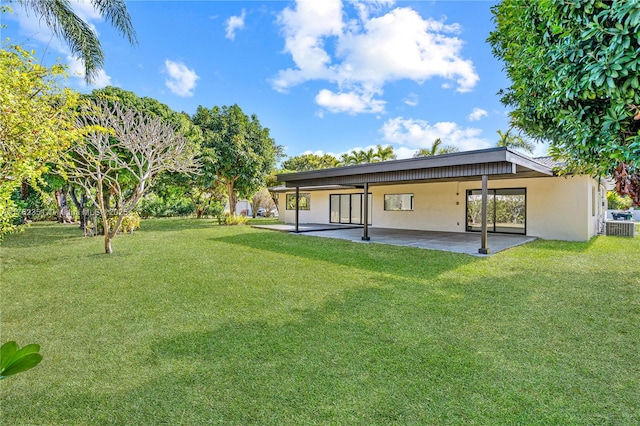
(124,142)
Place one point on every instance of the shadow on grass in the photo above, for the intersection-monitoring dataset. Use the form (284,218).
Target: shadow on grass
(42,233)
(386,259)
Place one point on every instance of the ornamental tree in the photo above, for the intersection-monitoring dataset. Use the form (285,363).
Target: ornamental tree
(124,141)
(575,81)
(36,123)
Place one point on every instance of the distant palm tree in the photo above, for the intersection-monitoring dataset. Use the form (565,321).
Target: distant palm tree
(509,140)
(82,40)
(384,154)
(435,149)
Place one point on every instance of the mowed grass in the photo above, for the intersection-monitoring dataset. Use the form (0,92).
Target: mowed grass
(190,323)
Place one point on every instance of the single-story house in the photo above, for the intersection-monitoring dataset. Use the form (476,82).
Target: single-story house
(487,191)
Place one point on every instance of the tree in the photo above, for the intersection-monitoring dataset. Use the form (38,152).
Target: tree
(79,35)
(575,81)
(124,141)
(370,155)
(510,140)
(435,149)
(384,153)
(36,123)
(236,149)
(263,199)
(306,162)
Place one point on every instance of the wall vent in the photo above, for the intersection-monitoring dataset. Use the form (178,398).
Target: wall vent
(621,228)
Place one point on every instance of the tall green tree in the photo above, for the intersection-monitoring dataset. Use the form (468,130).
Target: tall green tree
(81,38)
(37,115)
(384,153)
(305,162)
(436,149)
(509,139)
(575,81)
(236,149)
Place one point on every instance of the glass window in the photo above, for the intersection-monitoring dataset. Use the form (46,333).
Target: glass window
(393,202)
(348,208)
(303,204)
(506,210)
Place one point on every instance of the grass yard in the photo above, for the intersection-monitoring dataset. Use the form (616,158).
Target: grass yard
(189,323)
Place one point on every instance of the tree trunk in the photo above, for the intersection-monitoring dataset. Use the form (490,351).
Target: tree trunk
(233,199)
(64,213)
(24,192)
(107,243)
(80,206)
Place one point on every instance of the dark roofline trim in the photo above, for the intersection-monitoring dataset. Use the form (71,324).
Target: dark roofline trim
(349,174)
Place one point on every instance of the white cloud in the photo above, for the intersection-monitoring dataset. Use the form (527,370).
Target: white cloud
(369,51)
(417,134)
(181,80)
(235,23)
(477,114)
(411,99)
(349,102)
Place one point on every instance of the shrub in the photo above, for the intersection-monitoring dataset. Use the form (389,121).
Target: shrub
(231,220)
(616,202)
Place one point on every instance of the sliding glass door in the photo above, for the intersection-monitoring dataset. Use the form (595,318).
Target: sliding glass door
(347,208)
(506,210)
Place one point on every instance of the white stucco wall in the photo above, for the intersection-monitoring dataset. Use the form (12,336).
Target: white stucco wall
(557,207)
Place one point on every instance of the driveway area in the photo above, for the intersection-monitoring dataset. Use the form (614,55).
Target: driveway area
(457,242)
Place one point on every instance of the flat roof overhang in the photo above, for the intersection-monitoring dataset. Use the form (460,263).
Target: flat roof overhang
(496,163)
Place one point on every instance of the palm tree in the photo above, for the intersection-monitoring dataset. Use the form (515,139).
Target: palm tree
(82,40)
(384,154)
(509,140)
(435,149)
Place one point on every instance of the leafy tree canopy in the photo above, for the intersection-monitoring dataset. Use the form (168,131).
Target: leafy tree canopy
(575,73)
(236,149)
(436,149)
(37,117)
(81,38)
(305,162)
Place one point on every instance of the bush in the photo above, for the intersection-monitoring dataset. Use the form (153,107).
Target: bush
(231,220)
(616,202)
(130,222)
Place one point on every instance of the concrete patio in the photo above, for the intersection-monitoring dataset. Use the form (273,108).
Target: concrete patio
(457,242)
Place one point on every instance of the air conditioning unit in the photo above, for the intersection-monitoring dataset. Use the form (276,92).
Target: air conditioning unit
(621,228)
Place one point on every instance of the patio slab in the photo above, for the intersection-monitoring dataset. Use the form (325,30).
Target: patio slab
(457,242)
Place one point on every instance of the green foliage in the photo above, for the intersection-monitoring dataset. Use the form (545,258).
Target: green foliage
(575,73)
(616,202)
(37,117)
(436,149)
(130,222)
(237,151)
(370,155)
(15,360)
(232,220)
(307,162)
(153,205)
(81,38)
(509,139)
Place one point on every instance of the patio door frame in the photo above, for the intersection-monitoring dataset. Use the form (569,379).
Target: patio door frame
(355,195)
(491,215)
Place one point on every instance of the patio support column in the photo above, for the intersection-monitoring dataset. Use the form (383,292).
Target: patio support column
(297,207)
(484,249)
(365,212)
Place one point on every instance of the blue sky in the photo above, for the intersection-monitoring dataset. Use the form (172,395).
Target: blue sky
(325,76)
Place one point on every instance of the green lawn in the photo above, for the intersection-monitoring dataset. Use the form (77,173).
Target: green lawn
(189,323)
